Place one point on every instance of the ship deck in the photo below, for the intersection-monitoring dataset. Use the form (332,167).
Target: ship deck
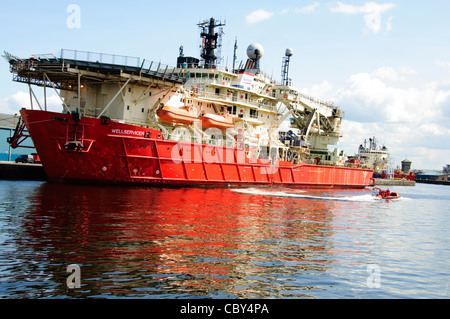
(47,70)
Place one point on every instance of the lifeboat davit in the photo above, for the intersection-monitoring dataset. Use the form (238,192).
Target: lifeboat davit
(221,121)
(183,115)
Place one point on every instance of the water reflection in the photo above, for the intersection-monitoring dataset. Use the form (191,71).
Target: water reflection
(150,242)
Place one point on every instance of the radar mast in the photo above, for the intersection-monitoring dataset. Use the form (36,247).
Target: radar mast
(211,41)
(285,80)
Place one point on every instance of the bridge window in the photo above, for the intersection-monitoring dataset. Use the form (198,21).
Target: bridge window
(254,114)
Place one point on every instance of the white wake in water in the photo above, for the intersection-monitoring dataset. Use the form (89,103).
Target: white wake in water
(302,195)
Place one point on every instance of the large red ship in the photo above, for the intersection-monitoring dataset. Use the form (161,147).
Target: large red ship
(132,121)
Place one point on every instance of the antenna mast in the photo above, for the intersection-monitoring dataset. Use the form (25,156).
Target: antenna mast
(285,80)
(210,41)
(235,54)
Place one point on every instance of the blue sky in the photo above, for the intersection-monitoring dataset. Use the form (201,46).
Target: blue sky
(386,63)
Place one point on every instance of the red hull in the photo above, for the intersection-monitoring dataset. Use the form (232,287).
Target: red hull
(112,152)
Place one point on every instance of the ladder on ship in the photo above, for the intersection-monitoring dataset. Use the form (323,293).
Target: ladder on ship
(75,135)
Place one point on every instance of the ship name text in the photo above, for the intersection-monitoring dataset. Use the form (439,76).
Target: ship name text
(127,132)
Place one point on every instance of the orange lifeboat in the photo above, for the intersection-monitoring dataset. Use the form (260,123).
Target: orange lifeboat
(221,121)
(183,115)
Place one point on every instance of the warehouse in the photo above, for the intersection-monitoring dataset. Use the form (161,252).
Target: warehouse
(8,123)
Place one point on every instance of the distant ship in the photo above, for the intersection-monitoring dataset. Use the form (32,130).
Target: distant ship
(131,121)
(446,169)
(373,155)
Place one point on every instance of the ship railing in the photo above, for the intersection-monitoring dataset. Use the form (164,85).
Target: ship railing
(269,77)
(95,57)
(45,56)
(236,98)
(314,100)
(145,66)
(207,80)
(227,69)
(269,106)
(293,94)
(233,85)
(203,140)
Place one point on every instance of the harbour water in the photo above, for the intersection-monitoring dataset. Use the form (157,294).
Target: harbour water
(229,243)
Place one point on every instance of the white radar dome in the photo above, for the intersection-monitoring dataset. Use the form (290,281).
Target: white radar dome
(289,52)
(255,51)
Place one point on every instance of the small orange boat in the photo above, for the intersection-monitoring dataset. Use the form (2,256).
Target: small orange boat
(184,115)
(391,196)
(221,121)
(387,194)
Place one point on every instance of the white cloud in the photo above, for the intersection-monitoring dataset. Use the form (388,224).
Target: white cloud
(21,99)
(443,64)
(389,24)
(324,91)
(307,9)
(371,11)
(54,103)
(376,97)
(394,75)
(14,103)
(258,16)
